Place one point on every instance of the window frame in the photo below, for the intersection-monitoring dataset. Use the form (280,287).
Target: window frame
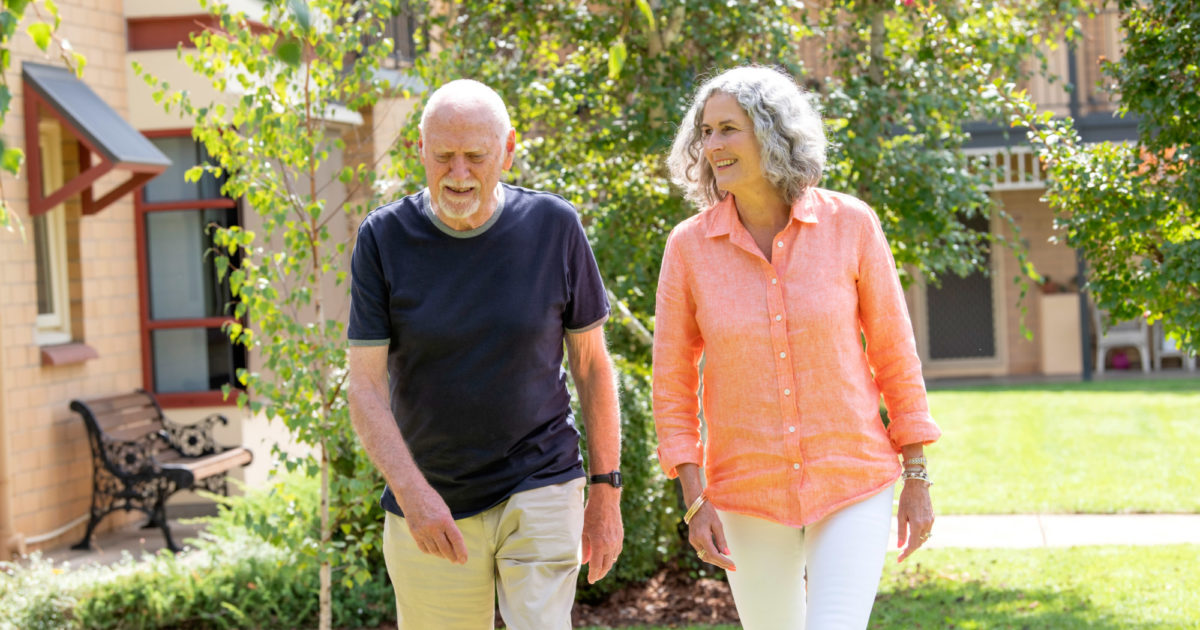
(53,328)
(148,325)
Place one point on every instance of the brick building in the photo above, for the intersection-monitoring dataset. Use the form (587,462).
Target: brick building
(101,299)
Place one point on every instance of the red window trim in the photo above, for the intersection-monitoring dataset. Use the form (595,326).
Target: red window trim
(148,325)
(168,32)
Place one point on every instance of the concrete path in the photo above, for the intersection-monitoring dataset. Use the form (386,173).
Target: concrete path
(109,547)
(1024,531)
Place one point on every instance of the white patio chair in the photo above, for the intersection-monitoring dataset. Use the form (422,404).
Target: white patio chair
(1128,334)
(1165,348)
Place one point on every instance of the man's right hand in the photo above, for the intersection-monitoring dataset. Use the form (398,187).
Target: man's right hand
(431,525)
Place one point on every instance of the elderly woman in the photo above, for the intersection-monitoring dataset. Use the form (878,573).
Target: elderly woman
(791,296)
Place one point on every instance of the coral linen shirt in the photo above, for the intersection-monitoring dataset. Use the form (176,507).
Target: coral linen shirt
(790,398)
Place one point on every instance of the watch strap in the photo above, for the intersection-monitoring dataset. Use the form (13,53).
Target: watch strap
(613,478)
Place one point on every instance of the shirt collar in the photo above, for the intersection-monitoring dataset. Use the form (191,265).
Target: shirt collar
(723,216)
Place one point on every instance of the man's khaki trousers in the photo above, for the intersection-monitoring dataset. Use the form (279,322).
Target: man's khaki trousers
(525,552)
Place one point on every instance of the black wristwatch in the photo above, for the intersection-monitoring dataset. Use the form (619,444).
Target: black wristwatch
(613,479)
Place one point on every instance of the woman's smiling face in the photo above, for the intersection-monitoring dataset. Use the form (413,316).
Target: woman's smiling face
(730,145)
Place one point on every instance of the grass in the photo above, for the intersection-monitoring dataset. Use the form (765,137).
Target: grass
(1093,588)
(1100,447)
(1080,588)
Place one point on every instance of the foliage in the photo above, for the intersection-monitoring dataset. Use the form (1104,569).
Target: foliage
(1067,436)
(319,58)
(1133,209)
(35,595)
(596,90)
(41,30)
(228,578)
(903,81)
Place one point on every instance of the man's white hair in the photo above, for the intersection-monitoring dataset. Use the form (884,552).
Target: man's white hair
(468,91)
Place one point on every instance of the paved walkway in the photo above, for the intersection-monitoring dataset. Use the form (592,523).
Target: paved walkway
(1020,531)
(1023,531)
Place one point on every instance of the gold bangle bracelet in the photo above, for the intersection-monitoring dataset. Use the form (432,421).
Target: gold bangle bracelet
(696,505)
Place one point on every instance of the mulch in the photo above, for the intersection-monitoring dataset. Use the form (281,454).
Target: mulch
(671,597)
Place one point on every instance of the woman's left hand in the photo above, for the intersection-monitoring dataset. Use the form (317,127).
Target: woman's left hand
(914,517)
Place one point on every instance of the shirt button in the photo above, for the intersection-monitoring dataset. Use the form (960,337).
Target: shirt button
(787,392)
(795,466)
(774,281)
(782,355)
(778,317)
(779,244)
(791,429)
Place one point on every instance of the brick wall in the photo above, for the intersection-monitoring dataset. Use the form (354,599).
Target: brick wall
(48,460)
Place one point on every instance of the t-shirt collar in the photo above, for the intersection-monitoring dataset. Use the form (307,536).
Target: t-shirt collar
(427,208)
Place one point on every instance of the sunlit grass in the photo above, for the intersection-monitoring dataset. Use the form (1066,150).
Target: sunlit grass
(1105,447)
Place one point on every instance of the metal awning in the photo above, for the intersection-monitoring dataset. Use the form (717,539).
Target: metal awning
(99,129)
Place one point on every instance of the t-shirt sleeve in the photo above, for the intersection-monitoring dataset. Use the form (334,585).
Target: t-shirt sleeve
(587,305)
(370,324)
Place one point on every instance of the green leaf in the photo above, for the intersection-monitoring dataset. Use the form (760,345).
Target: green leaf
(303,16)
(5,100)
(11,160)
(8,24)
(647,12)
(288,51)
(616,58)
(40,32)
(17,6)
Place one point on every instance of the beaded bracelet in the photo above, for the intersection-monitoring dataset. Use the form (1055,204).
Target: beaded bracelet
(920,474)
(696,505)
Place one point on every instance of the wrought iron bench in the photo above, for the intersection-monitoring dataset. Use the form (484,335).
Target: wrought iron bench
(140,458)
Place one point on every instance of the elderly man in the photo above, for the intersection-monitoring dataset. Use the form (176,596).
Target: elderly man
(462,297)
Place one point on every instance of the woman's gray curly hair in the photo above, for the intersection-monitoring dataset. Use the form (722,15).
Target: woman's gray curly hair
(787,125)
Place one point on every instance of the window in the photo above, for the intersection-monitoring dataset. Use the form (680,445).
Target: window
(186,355)
(50,247)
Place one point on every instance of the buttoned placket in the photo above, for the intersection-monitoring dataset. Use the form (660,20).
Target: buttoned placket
(781,351)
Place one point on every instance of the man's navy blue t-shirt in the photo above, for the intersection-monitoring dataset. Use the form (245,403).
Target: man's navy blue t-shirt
(474,323)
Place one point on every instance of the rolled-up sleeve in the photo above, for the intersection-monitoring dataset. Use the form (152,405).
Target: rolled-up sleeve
(891,346)
(677,349)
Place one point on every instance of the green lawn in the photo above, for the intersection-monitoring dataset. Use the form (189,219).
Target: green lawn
(1101,447)
(1093,588)
(1082,588)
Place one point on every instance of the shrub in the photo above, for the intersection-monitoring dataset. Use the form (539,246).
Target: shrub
(228,578)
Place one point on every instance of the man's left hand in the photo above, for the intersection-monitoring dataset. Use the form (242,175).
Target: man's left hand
(603,533)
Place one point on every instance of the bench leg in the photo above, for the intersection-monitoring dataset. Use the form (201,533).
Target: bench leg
(86,543)
(158,515)
(166,530)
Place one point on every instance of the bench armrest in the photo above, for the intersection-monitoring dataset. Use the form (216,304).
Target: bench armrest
(132,457)
(194,440)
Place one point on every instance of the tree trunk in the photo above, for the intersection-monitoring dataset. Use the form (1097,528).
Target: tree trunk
(326,600)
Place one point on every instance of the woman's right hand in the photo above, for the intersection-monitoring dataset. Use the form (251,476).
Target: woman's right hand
(707,537)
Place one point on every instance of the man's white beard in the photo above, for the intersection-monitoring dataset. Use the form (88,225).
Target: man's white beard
(454,211)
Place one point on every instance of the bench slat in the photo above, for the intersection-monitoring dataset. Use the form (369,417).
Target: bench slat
(130,434)
(145,417)
(208,465)
(109,403)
